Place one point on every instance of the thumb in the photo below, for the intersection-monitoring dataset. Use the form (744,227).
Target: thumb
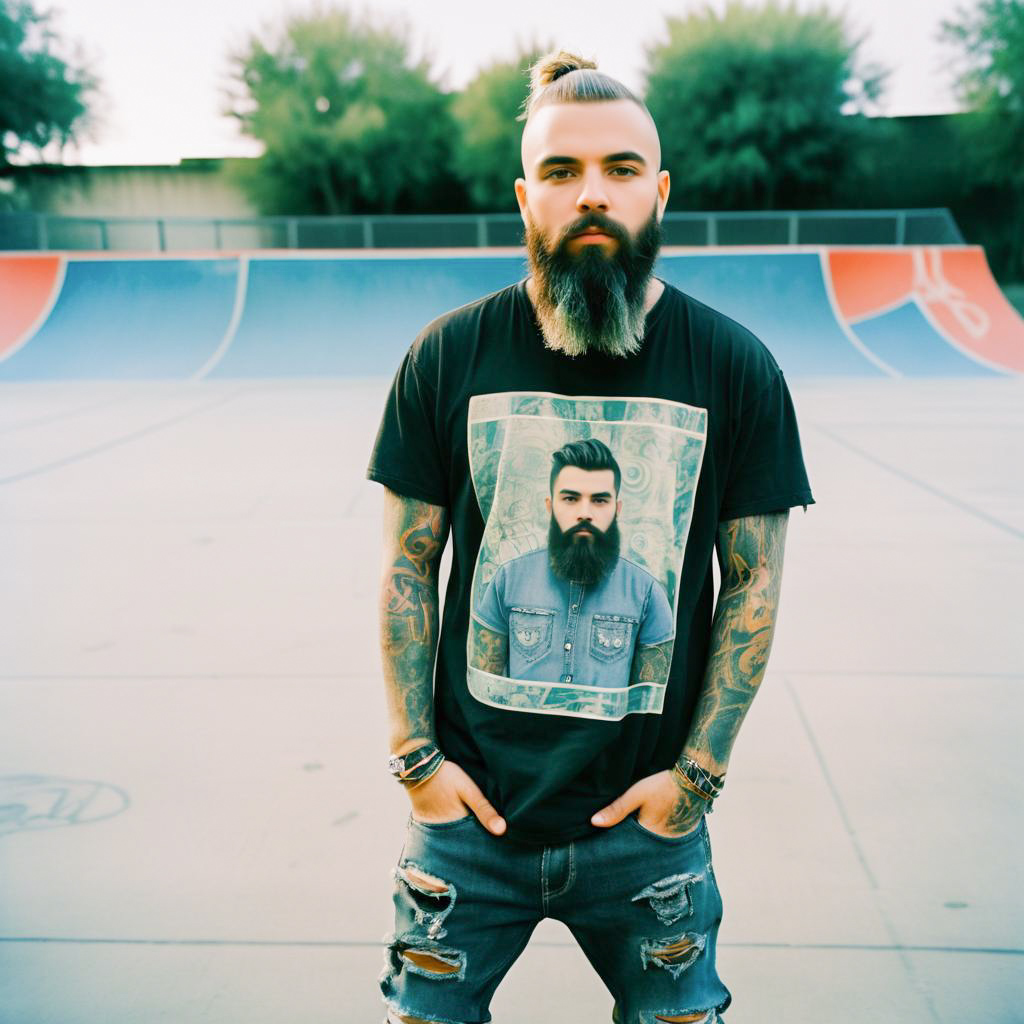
(618,808)
(482,808)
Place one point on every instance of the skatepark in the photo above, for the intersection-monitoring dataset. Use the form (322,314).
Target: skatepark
(196,824)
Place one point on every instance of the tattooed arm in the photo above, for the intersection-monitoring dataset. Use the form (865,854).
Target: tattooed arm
(750,553)
(750,556)
(651,663)
(414,538)
(490,649)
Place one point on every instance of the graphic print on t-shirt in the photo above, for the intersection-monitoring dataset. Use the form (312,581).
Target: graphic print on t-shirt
(587,504)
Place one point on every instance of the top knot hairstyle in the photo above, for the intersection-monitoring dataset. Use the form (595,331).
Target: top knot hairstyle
(564,77)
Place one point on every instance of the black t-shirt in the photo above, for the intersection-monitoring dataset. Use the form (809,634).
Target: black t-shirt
(702,429)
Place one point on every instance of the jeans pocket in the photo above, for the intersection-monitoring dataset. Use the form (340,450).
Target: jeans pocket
(433,826)
(611,637)
(694,836)
(531,630)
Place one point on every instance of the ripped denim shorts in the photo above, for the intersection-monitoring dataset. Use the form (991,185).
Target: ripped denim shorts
(644,908)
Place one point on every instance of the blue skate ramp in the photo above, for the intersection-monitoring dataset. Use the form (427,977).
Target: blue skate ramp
(782,298)
(130,318)
(842,312)
(907,342)
(349,317)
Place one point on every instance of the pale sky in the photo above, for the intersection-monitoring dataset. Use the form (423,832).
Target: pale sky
(163,65)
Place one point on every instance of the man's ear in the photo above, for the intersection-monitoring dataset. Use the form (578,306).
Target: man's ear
(664,187)
(618,509)
(547,505)
(520,187)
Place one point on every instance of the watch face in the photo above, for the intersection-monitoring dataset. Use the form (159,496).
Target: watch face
(396,764)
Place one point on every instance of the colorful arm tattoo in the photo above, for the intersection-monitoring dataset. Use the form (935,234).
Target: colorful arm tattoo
(490,649)
(414,538)
(651,663)
(750,551)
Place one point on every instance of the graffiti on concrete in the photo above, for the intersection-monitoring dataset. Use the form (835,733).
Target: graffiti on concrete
(48,801)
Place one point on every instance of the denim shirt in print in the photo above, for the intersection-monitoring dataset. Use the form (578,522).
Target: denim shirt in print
(561,631)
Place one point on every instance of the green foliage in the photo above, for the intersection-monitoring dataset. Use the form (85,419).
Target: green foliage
(489,134)
(43,98)
(749,106)
(990,80)
(348,124)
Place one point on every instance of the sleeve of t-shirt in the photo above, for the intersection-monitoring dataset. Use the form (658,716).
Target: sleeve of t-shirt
(766,467)
(407,456)
(658,625)
(491,610)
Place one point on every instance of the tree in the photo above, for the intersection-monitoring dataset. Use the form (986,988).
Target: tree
(43,98)
(489,135)
(348,123)
(991,82)
(750,105)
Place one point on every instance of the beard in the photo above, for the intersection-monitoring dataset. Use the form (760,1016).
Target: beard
(581,560)
(590,300)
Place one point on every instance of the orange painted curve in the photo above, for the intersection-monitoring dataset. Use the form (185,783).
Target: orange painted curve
(26,290)
(954,286)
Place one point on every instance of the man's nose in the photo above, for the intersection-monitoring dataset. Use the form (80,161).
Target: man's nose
(593,195)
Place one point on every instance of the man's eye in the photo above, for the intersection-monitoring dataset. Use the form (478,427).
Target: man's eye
(629,170)
(558,170)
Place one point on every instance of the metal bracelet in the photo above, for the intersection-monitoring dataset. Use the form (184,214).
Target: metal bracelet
(425,767)
(710,785)
(435,767)
(421,761)
(686,784)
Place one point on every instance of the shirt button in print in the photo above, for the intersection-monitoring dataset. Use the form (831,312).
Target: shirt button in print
(568,647)
(568,679)
(575,607)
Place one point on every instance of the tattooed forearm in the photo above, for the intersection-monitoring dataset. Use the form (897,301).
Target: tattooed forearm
(651,663)
(414,537)
(687,812)
(750,553)
(490,650)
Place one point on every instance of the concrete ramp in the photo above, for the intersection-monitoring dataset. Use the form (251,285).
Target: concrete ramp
(858,312)
(898,301)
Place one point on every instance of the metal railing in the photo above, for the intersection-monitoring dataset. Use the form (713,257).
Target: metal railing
(42,231)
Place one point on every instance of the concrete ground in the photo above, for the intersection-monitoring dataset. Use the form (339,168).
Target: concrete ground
(195,820)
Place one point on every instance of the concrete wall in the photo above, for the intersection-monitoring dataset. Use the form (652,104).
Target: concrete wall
(194,188)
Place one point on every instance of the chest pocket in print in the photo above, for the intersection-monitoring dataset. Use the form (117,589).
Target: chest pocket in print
(531,630)
(611,637)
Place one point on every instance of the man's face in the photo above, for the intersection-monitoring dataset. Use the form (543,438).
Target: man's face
(583,538)
(584,498)
(592,202)
(581,158)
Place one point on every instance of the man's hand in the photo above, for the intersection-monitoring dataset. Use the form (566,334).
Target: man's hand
(446,795)
(670,809)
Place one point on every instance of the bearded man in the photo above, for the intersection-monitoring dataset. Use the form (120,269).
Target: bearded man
(581,800)
(577,611)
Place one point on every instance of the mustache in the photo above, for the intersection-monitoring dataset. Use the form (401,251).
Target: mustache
(594,220)
(580,527)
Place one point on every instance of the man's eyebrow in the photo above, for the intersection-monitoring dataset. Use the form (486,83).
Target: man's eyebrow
(613,158)
(575,494)
(626,154)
